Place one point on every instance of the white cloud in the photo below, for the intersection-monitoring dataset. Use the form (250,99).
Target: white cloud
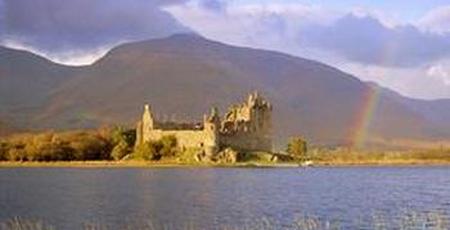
(70,57)
(412,82)
(436,20)
(440,71)
(384,18)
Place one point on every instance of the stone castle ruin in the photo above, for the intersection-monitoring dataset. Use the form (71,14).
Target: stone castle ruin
(245,127)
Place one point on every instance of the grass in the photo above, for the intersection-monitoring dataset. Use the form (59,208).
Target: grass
(344,156)
(407,221)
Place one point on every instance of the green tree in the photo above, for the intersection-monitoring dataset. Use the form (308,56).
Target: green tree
(89,146)
(122,141)
(120,134)
(169,146)
(148,151)
(47,147)
(16,153)
(297,147)
(3,151)
(155,150)
(120,150)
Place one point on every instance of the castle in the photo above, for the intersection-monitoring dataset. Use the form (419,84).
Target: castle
(245,127)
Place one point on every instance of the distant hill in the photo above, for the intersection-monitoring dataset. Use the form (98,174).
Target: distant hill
(5,129)
(183,75)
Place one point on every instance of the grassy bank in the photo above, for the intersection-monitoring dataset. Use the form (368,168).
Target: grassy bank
(146,164)
(342,156)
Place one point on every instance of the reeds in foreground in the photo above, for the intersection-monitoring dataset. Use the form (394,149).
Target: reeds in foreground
(407,221)
(24,224)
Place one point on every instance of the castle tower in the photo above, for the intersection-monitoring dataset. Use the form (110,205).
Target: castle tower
(211,128)
(261,120)
(148,123)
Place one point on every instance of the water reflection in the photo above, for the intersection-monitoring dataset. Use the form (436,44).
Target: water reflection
(201,198)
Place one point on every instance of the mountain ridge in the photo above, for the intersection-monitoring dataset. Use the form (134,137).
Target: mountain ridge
(183,75)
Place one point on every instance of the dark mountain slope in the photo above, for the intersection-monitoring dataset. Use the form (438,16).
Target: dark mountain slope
(26,81)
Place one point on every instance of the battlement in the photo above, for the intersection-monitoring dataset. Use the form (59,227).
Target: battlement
(246,126)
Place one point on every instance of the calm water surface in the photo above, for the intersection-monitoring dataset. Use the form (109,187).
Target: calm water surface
(70,198)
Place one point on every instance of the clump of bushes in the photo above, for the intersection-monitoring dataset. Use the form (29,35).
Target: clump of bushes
(166,147)
(103,144)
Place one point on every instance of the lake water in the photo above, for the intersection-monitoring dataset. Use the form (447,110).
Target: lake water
(208,198)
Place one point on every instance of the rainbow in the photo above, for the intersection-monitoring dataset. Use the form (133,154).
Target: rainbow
(364,117)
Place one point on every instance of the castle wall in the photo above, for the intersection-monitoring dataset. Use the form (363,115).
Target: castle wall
(246,127)
(247,141)
(185,138)
(139,133)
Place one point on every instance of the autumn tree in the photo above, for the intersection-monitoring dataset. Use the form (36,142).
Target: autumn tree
(297,147)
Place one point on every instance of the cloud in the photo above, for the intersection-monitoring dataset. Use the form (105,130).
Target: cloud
(382,17)
(411,82)
(436,20)
(214,5)
(440,71)
(61,29)
(366,40)
(269,26)
(361,35)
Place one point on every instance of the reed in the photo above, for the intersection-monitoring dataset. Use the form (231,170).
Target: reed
(409,220)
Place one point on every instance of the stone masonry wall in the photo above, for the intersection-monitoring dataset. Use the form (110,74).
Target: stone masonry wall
(245,127)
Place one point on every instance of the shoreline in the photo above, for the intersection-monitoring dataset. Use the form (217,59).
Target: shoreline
(138,164)
(143,164)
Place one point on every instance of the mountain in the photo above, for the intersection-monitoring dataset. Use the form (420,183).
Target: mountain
(434,111)
(26,82)
(5,129)
(183,75)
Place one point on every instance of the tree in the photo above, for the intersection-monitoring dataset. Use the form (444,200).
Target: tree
(3,151)
(122,141)
(89,146)
(155,150)
(169,146)
(16,153)
(297,147)
(120,150)
(120,134)
(147,151)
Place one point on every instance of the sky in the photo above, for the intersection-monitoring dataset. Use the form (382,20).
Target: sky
(402,45)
